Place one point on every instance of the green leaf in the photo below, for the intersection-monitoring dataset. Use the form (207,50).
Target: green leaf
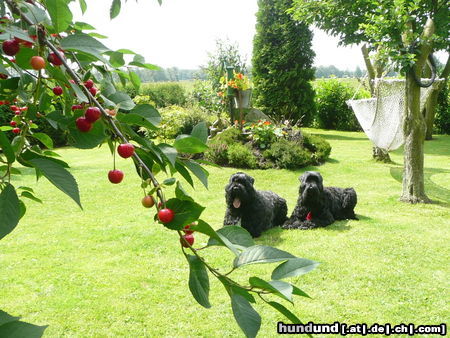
(6,318)
(282,289)
(293,268)
(285,312)
(60,14)
(86,44)
(81,96)
(29,195)
(123,100)
(247,318)
(44,139)
(21,329)
(89,140)
(115,9)
(185,212)
(180,168)
(83,6)
(169,152)
(9,210)
(135,80)
(218,238)
(198,281)
(116,59)
(181,194)
(59,177)
(6,147)
(258,254)
(189,144)
(200,131)
(170,181)
(146,114)
(198,171)
(237,235)
(24,56)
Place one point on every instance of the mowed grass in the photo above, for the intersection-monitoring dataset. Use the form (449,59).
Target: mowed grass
(110,270)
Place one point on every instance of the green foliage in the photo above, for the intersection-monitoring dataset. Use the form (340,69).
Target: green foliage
(282,64)
(176,120)
(226,54)
(232,148)
(84,58)
(241,156)
(162,94)
(332,109)
(318,146)
(380,24)
(442,118)
(208,99)
(264,133)
(165,93)
(287,155)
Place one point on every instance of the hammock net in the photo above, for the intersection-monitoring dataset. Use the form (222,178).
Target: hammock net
(381,116)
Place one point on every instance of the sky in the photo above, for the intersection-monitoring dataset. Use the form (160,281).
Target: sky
(180,33)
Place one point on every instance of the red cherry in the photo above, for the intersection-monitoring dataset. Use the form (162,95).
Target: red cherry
(189,238)
(17,112)
(115,176)
(83,124)
(148,201)
(77,107)
(14,108)
(187,229)
(16,130)
(37,62)
(3,76)
(92,114)
(54,59)
(89,84)
(93,91)
(10,47)
(23,108)
(13,123)
(125,150)
(57,90)
(166,215)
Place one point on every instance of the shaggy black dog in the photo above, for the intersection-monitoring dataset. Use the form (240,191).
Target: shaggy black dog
(256,211)
(318,206)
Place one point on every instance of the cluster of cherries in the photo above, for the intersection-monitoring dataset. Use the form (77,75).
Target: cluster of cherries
(166,215)
(85,123)
(17,111)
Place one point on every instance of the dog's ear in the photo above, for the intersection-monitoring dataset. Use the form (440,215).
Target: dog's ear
(251,179)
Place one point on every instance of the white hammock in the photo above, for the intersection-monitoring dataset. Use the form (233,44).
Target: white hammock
(381,116)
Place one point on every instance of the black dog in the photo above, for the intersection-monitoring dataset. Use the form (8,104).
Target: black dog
(318,206)
(255,210)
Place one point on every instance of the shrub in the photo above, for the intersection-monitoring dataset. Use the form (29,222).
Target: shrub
(332,111)
(240,155)
(218,146)
(164,94)
(206,97)
(319,148)
(264,133)
(442,119)
(176,120)
(231,147)
(287,154)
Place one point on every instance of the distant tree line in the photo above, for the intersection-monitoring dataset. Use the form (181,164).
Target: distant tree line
(174,74)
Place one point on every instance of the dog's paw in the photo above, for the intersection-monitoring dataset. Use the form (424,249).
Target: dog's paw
(307,225)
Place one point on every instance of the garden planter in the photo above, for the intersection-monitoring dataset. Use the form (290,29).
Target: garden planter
(243,98)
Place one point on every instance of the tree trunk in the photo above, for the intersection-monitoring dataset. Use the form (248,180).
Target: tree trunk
(378,154)
(414,132)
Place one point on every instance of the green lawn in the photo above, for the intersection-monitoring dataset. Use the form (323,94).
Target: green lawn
(111,271)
